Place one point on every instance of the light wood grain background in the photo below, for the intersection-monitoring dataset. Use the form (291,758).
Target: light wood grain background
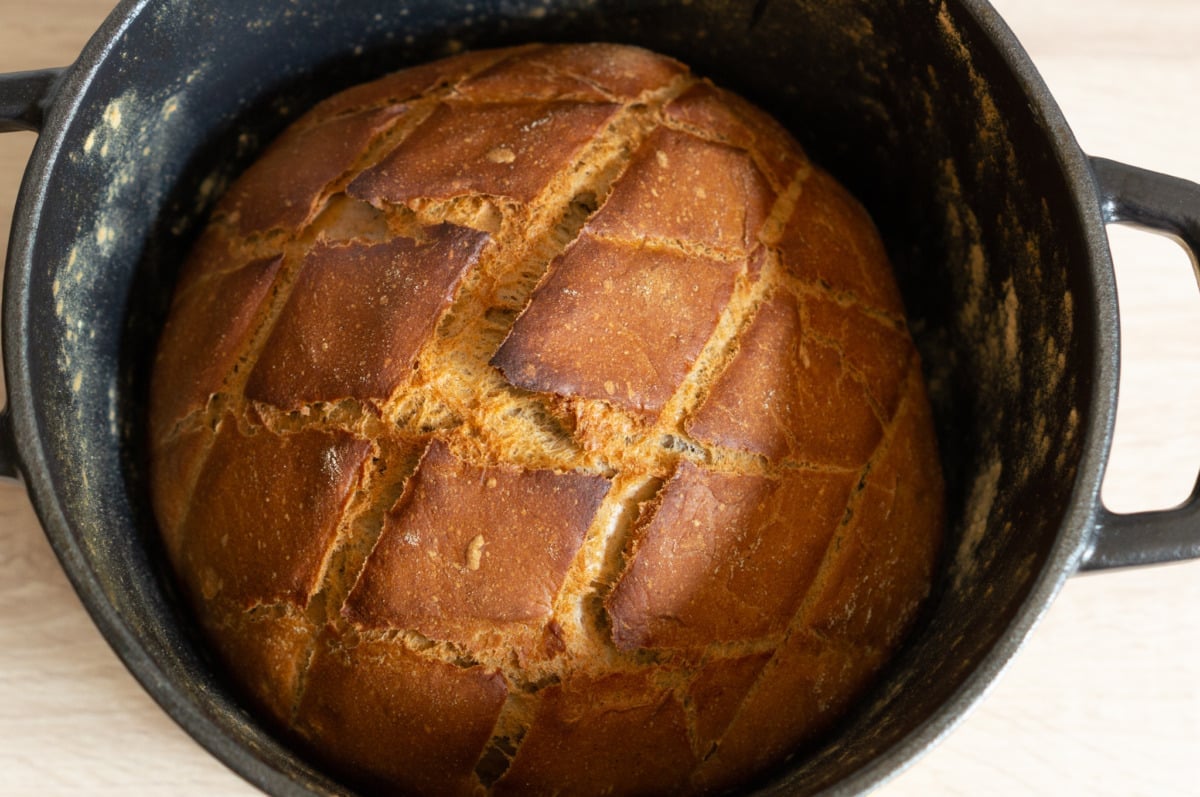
(1105,698)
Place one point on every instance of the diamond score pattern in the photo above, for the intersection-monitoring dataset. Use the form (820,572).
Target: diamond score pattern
(622,316)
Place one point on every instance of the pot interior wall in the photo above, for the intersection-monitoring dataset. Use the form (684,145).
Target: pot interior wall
(906,102)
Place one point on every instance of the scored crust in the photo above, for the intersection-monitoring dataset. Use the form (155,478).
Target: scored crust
(729,540)
(441,569)
(357,316)
(569,342)
(541,420)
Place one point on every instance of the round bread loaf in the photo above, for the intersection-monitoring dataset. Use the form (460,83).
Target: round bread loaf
(542,421)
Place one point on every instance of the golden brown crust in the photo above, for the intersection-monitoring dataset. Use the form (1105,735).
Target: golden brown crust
(204,339)
(264,513)
(617,734)
(269,647)
(569,342)
(816,248)
(793,390)
(416,82)
(588,72)
(716,694)
(541,421)
(395,722)
(469,551)
(274,193)
(808,683)
(885,560)
(507,149)
(726,117)
(357,316)
(719,558)
(177,463)
(682,188)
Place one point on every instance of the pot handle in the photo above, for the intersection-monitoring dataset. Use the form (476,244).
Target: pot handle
(1171,206)
(24,97)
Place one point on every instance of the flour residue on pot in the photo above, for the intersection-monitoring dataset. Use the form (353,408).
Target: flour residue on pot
(122,151)
(99,235)
(1011,327)
(990,127)
(987,316)
(979,511)
(110,120)
(1069,435)
(112,114)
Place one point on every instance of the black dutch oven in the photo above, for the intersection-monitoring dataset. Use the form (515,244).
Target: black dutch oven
(930,111)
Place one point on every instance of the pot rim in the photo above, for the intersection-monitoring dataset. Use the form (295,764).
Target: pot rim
(1063,561)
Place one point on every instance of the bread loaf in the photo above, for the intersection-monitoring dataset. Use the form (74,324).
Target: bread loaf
(542,421)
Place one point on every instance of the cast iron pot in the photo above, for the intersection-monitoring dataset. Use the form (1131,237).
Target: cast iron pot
(931,112)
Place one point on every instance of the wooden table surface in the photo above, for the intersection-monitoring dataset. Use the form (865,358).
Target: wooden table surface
(1103,700)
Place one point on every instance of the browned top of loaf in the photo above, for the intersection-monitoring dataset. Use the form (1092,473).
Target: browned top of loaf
(542,417)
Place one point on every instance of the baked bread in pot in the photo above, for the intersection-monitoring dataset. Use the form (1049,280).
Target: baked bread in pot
(541,420)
